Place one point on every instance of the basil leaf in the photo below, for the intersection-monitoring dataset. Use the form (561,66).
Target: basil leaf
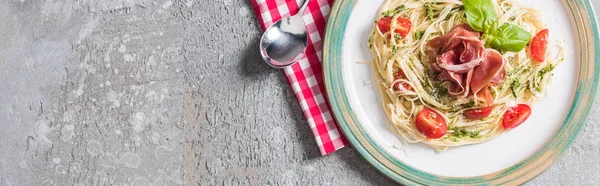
(508,38)
(480,15)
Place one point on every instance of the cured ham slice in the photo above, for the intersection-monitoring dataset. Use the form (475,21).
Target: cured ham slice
(461,58)
(489,69)
(450,41)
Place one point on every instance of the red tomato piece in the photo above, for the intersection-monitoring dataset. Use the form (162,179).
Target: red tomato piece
(402,25)
(515,116)
(431,123)
(478,113)
(400,75)
(384,24)
(539,44)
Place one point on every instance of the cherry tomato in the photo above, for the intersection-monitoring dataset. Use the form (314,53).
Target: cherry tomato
(402,25)
(431,123)
(400,75)
(516,115)
(478,113)
(539,44)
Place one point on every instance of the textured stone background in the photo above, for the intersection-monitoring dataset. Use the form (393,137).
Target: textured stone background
(168,92)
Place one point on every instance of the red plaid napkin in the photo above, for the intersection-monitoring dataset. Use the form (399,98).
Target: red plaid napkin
(306,76)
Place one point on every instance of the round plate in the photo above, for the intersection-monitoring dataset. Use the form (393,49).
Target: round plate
(513,157)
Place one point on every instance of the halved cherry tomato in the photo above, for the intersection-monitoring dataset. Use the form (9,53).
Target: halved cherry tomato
(478,113)
(516,115)
(539,44)
(431,123)
(400,75)
(402,25)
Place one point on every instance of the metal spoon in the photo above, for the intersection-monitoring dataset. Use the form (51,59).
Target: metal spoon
(283,42)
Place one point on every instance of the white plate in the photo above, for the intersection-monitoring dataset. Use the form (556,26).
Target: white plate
(358,109)
(472,160)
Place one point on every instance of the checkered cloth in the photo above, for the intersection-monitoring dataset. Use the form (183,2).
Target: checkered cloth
(306,76)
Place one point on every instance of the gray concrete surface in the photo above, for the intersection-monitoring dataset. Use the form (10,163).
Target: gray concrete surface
(169,92)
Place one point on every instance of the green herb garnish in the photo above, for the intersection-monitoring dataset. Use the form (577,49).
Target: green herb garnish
(428,10)
(514,85)
(508,38)
(545,70)
(481,17)
(419,35)
(462,133)
(469,105)
(396,10)
(542,73)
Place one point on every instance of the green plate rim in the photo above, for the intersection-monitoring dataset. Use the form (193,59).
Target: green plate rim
(552,151)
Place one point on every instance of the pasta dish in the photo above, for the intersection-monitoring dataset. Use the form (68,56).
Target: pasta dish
(452,72)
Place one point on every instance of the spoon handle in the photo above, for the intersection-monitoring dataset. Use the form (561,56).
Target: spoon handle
(301,12)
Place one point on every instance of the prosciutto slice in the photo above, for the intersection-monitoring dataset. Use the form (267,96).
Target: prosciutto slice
(492,67)
(461,58)
(450,41)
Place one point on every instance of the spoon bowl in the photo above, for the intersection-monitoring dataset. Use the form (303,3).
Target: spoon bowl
(284,42)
